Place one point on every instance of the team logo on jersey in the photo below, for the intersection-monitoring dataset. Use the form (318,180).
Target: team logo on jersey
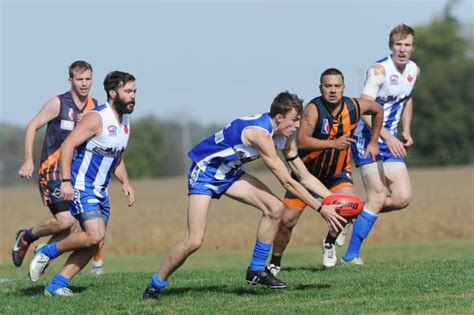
(410,78)
(112,131)
(70,114)
(394,79)
(326,127)
(125,129)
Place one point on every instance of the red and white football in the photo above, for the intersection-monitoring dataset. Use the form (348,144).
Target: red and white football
(350,205)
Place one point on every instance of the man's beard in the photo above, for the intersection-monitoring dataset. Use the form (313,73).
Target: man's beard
(122,107)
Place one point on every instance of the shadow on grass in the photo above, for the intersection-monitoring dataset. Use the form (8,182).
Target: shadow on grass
(305,269)
(250,290)
(38,290)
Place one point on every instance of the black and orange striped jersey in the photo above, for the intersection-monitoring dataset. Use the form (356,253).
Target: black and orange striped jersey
(57,131)
(328,162)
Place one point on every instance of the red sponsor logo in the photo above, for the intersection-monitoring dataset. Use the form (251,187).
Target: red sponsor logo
(125,129)
(410,78)
(70,114)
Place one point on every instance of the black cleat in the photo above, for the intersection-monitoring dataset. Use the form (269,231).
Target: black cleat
(264,277)
(151,293)
(20,248)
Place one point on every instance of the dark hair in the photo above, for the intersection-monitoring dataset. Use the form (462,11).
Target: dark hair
(330,71)
(79,64)
(284,102)
(116,79)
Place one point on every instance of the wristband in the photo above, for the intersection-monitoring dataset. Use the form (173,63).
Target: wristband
(64,180)
(292,158)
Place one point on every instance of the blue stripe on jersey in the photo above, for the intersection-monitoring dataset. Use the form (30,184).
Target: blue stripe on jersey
(100,107)
(391,117)
(382,60)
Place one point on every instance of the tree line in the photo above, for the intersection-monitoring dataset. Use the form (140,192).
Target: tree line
(442,127)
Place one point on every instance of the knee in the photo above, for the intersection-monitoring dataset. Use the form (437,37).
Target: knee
(192,244)
(65,223)
(274,212)
(376,200)
(287,224)
(402,201)
(95,238)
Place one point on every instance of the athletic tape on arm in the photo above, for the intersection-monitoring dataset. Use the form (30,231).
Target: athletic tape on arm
(373,82)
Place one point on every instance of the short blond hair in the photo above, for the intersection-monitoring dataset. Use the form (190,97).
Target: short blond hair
(401,32)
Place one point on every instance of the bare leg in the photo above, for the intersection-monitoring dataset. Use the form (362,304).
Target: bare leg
(289,220)
(61,222)
(399,186)
(197,220)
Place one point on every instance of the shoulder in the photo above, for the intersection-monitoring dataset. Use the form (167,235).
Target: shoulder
(377,68)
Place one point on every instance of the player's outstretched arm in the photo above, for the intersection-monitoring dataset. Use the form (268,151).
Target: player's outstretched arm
(263,142)
(305,177)
(48,112)
(90,125)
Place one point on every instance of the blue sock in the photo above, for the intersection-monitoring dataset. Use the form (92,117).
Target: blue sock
(362,226)
(58,281)
(260,255)
(50,250)
(156,282)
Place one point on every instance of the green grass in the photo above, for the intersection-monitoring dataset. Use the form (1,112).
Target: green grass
(435,277)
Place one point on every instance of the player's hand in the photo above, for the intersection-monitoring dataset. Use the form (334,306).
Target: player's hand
(342,142)
(129,192)
(334,220)
(67,192)
(372,150)
(408,139)
(26,169)
(396,147)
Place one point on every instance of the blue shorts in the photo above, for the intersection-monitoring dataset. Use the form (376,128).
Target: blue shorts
(201,183)
(358,149)
(86,205)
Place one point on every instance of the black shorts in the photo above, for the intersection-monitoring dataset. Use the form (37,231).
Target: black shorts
(50,194)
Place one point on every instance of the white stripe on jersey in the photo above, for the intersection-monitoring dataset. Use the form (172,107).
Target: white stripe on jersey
(101,176)
(81,174)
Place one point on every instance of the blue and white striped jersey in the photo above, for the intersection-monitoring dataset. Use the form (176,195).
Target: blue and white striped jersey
(223,154)
(393,96)
(97,158)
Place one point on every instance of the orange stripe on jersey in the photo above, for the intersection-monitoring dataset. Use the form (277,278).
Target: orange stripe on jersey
(90,105)
(341,161)
(331,160)
(311,156)
(53,158)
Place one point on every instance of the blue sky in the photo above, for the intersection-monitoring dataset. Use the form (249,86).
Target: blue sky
(209,61)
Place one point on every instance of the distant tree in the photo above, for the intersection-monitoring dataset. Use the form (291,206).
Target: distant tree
(147,151)
(443,118)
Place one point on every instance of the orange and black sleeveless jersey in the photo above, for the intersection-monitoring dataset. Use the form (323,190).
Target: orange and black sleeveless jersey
(328,162)
(57,131)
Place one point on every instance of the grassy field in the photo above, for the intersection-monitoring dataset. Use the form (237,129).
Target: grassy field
(430,277)
(420,260)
